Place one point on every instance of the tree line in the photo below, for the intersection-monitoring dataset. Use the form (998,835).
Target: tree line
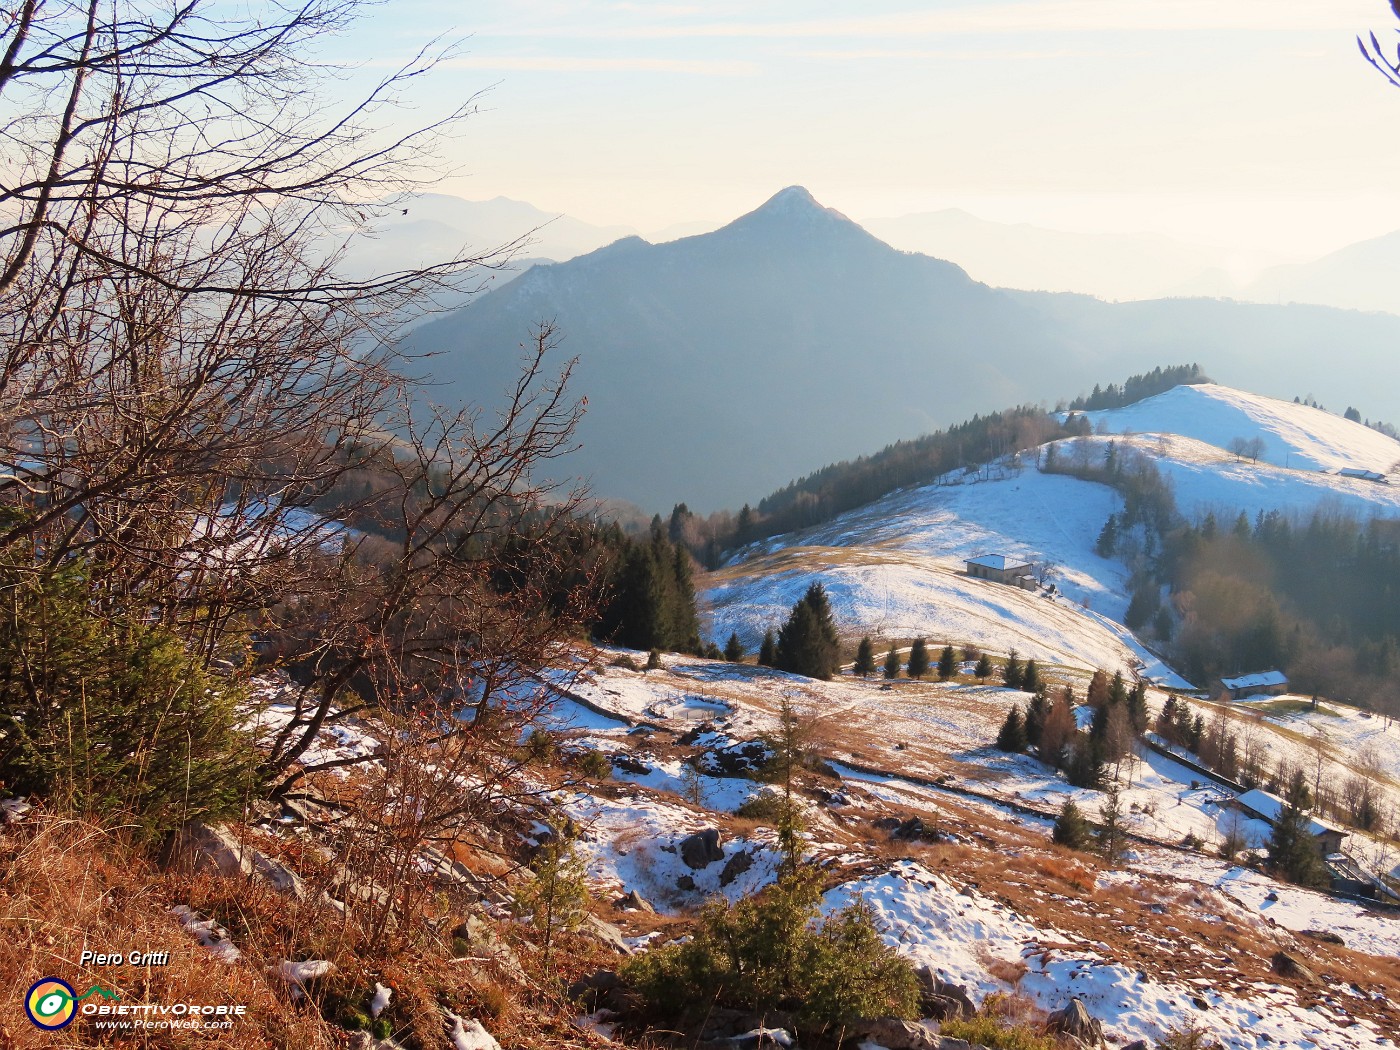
(1138,388)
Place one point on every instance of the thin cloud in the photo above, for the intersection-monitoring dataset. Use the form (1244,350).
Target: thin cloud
(579,64)
(1033,17)
(899,54)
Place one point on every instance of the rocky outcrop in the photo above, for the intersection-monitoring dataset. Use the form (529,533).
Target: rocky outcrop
(212,847)
(894,1034)
(701,849)
(1286,965)
(1076,1022)
(606,934)
(734,867)
(940,999)
(632,901)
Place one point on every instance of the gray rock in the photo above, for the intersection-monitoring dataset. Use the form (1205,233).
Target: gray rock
(947,1042)
(1076,1022)
(595,990)
(734,867)
(894,1034)
(1137,1044)
(941,999)
(701,849)
(484,942)
(630,764)
(724,1024)
(206,847)
(940,1007)
(686,883)
(633,901)
(606,934)
(1286,965)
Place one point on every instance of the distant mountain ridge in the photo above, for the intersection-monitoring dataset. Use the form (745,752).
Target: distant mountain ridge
(719,366)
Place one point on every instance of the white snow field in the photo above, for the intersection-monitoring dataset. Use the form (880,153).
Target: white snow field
(1294,435)
(895,568)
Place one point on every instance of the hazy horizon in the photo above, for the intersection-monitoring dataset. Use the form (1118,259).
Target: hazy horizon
(1255,127)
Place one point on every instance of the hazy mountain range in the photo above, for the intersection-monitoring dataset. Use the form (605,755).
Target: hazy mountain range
(720,366)
(1363,276)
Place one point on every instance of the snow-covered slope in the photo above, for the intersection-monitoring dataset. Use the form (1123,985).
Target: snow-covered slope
(1163,937)
(894,568)
(1208,478)
(1294,435)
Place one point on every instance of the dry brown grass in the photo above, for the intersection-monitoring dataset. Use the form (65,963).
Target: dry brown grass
(68,885)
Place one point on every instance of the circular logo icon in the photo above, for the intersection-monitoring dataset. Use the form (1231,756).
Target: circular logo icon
(50,1004)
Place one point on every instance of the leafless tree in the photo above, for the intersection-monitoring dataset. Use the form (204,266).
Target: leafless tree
(189,386)
(1247,448)
(184,368)
(485,581)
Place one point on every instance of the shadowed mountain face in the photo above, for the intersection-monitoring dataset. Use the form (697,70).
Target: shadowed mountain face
(720,366)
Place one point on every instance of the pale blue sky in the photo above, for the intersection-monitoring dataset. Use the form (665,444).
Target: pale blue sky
(1245,122)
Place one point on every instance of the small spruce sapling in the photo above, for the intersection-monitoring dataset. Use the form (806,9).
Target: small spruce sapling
(557,899)
(865,658)
(947,664)
(1071,829)
(892,663)
(1013,672)
(768,651)
(1012,737)
(734,649)
(918,659)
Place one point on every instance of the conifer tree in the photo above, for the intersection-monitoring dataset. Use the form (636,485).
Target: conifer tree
(1071,829)
(685,624)
(1097,694)
(1117,689)
(918,659)
(1058,730)
(744,527)
(1086,763)
(1110,840)
(808,644)
(865,658)
(1137,707)
(1036,711)
(768,650)
(1012,737)
(1142,607)
(947,664)
(1166,718)
(1030,678)
(984,667)
(1107,542)
(892,663)
(1292,851)
(734,649)
(1012,673)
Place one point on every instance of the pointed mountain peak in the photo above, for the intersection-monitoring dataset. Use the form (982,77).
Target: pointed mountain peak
(795,213)
(795,200)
